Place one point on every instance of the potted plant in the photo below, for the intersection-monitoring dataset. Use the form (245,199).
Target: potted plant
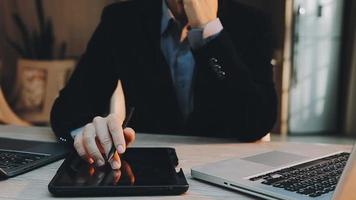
(42,69)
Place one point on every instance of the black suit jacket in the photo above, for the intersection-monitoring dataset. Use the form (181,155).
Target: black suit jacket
(234,94)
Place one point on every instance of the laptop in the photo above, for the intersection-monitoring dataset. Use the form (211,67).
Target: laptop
(20,156)
(299,172)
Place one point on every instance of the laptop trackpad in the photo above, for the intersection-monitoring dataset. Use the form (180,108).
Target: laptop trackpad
(275,158)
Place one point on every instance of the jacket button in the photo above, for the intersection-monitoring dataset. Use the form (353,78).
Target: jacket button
(216,68)
(213,61)
(221,75)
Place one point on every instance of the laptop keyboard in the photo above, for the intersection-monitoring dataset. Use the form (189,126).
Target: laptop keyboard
(12,159)
(313,178)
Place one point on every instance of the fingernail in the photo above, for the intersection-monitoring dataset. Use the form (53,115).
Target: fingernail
(90,160)
(100,163)
(115,165)
(120,149)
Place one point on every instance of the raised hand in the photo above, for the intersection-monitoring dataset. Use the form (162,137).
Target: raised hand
(200,12)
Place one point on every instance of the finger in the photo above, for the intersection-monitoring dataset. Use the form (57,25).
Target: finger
(90,160)
(100,147)
(91,171)
(117,135)
(79,146)
(103,134)
(116,161)
(130,136)
(117,176)
(90,145)
(129,172)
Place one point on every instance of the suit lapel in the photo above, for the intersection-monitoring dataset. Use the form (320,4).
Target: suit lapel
(151,18)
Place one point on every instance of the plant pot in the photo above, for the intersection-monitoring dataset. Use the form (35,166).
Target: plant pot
(37,86)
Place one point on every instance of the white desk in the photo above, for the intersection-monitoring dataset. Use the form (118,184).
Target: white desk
(191,151)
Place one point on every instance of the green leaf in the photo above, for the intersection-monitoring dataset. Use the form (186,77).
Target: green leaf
(17,48)
(36,44)
(48,40)
(40,15)
(24,34)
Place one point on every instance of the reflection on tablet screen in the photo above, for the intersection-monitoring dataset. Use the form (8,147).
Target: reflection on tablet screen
(135,170)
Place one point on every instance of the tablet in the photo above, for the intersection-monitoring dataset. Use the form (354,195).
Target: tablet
(144,171)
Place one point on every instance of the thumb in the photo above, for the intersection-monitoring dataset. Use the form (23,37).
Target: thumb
(116,161)
(129,135)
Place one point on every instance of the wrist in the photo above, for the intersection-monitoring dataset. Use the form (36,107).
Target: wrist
(202,24)
(198,37)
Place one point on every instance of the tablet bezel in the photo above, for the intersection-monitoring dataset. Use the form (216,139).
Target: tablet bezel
(180,187)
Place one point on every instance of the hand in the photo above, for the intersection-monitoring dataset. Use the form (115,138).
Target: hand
(125,170)
(200,12)
(98,137)
(100,176)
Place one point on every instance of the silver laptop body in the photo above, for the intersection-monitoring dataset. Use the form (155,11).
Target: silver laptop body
(238,173)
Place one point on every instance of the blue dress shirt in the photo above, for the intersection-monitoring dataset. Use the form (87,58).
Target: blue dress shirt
(178,54)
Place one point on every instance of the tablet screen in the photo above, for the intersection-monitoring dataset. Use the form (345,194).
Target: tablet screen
(138,168)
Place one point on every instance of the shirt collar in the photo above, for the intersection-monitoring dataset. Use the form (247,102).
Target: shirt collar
(167,16)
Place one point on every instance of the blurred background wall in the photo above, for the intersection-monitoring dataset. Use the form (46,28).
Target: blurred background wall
(74,22)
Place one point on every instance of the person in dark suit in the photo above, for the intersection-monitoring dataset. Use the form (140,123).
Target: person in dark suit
(194,67)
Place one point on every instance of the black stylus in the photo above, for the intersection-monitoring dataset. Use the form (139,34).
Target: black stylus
(126,121)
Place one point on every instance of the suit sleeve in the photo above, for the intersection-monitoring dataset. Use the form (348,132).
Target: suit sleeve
(234,89)
(90,88)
